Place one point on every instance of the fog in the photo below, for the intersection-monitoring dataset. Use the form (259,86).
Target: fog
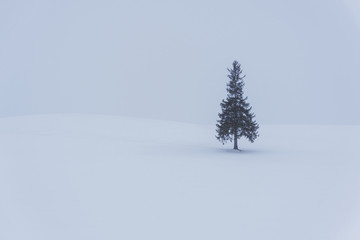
(168,59)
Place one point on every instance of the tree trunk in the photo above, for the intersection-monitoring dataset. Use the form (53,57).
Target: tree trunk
(235,142)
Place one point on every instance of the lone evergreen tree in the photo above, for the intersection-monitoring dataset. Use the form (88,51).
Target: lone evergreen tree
(236,119)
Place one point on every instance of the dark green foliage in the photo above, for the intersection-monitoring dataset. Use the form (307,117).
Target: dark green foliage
(236,118)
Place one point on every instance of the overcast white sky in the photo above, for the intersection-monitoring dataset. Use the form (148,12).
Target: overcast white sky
(168,59)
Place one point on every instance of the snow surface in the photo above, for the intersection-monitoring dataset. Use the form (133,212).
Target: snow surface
(106,177)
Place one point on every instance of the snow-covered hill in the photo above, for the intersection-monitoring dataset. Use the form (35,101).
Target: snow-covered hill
(104,177)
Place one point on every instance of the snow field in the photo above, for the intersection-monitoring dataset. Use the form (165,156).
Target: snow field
(107,177)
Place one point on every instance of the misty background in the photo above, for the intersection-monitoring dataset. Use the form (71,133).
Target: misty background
(168,59)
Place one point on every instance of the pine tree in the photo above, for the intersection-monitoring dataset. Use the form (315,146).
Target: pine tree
(236,118)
